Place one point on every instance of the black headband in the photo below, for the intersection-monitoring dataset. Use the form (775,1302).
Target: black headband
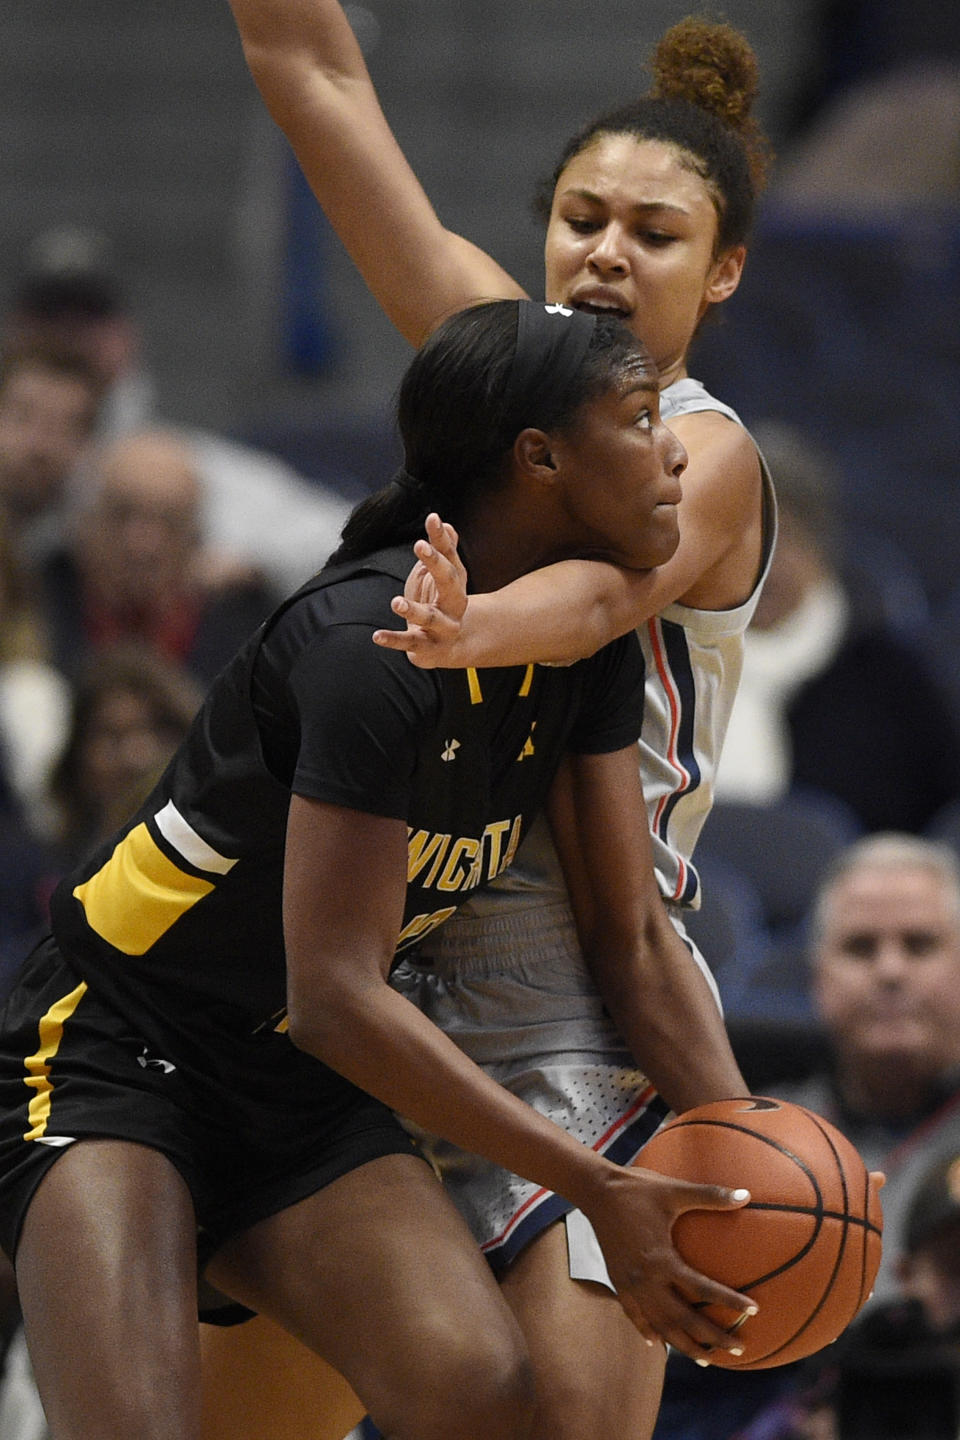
(551,344)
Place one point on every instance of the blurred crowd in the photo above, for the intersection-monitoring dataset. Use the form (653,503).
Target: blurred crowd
(135,556)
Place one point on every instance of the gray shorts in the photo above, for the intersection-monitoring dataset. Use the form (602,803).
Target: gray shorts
(514,992)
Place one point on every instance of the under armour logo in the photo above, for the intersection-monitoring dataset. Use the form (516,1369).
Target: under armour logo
(147,1061)
(558,310)
(528,749)
(450,748)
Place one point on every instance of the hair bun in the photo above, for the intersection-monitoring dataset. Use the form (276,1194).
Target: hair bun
(713,66)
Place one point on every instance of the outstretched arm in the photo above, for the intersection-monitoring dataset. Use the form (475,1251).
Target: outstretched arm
(559,613)
(567,611)
(342,1010)
(313,78)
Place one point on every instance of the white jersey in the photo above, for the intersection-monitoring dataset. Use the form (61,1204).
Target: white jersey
(694,659)
(693,662)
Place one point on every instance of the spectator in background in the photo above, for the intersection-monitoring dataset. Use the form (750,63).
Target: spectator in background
(48,407)
(130,711)
(34,711)
(34,695)
(878,124)
(255,508)
(885,974)
(929,1268)
(121,720)
(134,566)
(834,694)
(885,958)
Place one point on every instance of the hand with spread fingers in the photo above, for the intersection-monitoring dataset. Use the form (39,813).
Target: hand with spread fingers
(433,603)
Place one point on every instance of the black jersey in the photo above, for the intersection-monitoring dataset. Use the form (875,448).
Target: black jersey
(189,892)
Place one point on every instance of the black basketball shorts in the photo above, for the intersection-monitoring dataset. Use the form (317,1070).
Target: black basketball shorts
(252,1124)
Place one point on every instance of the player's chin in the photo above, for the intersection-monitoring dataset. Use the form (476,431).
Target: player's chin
(656,541)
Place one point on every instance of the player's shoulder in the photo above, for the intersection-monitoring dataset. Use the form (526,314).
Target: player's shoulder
(356,591)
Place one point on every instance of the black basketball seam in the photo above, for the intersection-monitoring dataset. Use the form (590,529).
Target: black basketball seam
(755,1134)
(846,1219)
(861,1221)
(802,1166)
(867,1224)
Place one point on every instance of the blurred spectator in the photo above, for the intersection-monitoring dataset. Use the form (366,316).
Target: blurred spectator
(48,408)
(254,506)
(134,566)
(34,710)
(885,954)
(122,718)
(865,41)
(888,141)
(885,958)
(130,710)
(835,695)
(34,696)
(929,1267)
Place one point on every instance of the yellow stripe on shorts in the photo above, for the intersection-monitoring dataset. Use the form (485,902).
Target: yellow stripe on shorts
(138,894)
(38,1070)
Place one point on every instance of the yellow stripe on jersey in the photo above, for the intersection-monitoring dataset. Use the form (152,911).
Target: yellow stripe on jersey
(51,1033)
(526,682)
(138,894)
(473,681)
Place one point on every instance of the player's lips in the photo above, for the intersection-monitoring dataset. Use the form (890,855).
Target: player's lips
(601,301)
(672,495)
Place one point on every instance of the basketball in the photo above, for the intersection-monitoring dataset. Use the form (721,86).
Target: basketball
(807,1246)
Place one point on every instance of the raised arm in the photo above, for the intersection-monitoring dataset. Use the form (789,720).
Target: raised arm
(313,78)
(569,610)
(342,1010)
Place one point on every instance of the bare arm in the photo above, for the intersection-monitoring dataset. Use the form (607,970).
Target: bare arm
(312,76)
(649,981)
(569,610)
(343,1011)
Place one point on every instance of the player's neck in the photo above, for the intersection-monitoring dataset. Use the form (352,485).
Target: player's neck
(504,541)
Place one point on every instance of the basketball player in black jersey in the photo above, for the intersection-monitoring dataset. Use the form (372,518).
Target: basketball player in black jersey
(200,1068)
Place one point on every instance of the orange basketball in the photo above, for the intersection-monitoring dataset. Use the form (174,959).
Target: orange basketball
(807,1246)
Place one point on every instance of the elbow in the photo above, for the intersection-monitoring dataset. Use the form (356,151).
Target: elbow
(319,1025)
(305,1034)
(331,1021)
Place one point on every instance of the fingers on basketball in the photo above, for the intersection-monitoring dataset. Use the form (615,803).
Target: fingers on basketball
(805,1247)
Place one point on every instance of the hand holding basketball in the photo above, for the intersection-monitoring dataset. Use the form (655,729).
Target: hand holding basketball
(666,1298)
(805,1248)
